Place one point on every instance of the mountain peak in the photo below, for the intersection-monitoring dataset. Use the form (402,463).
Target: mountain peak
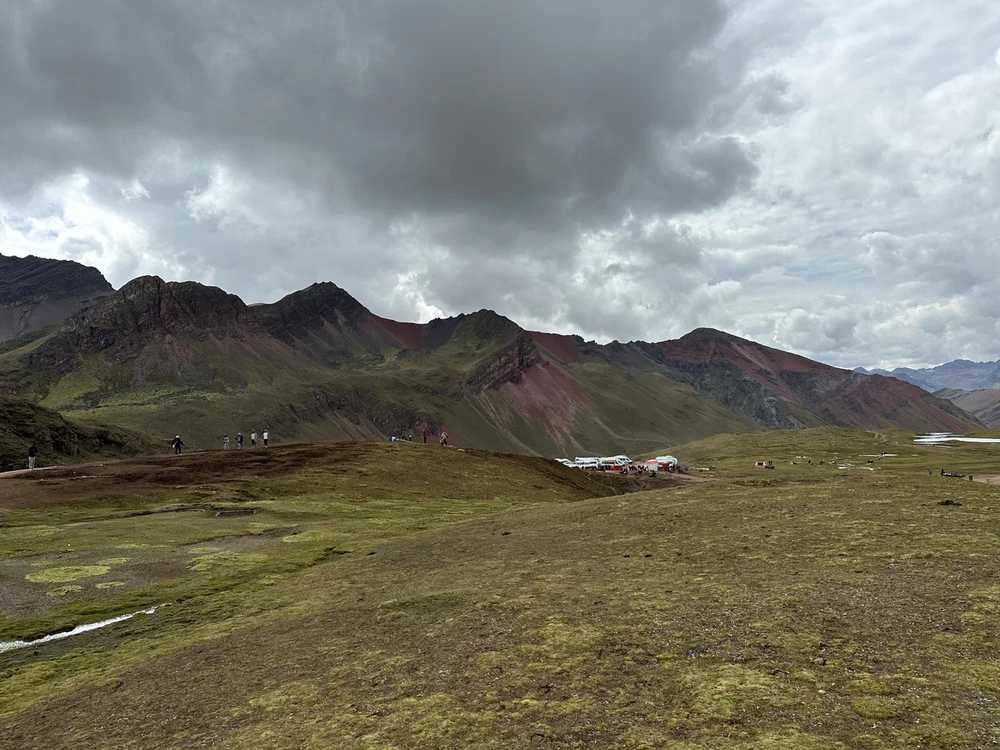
(37,292)
(21,278)
(312,307)
(705,334)
(149,303)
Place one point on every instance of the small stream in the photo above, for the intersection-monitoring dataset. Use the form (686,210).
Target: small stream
(936,438)
(6,646)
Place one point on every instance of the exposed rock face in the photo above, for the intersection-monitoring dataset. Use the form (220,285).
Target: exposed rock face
(38,292)
(149,306)
(506,366)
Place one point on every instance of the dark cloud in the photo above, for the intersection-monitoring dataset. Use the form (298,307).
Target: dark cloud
(521,111)
(437,135)
(820,176)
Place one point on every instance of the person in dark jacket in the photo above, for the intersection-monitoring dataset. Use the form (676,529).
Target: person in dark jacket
(32,456)
(177,444)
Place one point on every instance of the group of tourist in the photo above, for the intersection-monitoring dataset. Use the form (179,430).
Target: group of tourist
(264,436)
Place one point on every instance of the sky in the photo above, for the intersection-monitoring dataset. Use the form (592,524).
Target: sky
(816,175)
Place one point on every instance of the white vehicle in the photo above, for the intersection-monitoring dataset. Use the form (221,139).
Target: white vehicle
(666,460)
(616,460)
(565,462)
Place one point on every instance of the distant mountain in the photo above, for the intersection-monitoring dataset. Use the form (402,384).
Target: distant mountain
(182,357)
(960,373)
(780,389)
(38,292)
(984,404)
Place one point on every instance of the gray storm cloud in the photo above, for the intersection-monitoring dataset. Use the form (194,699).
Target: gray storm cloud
(622,170)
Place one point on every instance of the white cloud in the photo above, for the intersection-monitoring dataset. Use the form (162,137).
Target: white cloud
(65,219)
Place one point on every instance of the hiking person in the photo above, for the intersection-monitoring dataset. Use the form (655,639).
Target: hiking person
(253,439)
(239,439)
(32,456)
(177,444)
(444,439)
(225,443)
(264,436)
(425,437)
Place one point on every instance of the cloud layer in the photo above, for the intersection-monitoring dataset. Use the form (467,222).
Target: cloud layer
(817,177)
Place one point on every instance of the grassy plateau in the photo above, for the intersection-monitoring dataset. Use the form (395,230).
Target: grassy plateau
(373,596)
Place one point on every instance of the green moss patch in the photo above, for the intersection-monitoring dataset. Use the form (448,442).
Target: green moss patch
(875,708)
(719,693)
(67,573)
(226,561)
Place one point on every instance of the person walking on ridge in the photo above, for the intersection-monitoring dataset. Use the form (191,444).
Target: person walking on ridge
(444,439)
(177,444)
(239,439)
(253,439)
(32,456)
(265,436)
(225,443)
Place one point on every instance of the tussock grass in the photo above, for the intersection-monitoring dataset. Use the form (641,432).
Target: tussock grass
(811,607)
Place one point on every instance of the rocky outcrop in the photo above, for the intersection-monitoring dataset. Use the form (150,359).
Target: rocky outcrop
(149,306)
(506,366)
(145,333)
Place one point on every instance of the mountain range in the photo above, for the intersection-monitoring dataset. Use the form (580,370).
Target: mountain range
(180,357)
(972,386)
(960,374)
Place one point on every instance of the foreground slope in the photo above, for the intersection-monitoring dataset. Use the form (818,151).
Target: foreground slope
(168,358)
(39,292)
(809,607)
(57,439)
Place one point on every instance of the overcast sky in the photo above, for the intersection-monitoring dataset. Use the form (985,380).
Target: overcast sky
(818,175)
